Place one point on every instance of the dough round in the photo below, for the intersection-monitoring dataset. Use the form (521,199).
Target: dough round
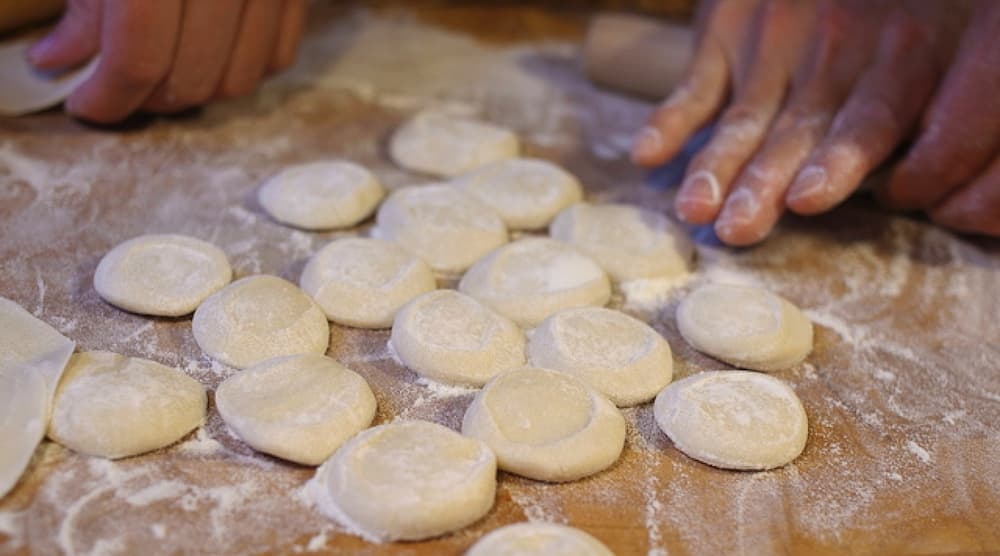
(629,242)
(113,406)
(445,227)
(321,195)
(546,425)
(533,278)
(733,419)
(622,357)
(407,480)
(363,282)
(441,144)
(298,407)
(538,539)
(747,327)
(165,275)
(257,318)
(447,336)
(527,192)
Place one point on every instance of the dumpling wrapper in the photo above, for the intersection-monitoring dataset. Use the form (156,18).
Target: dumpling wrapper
(26,89)
(33,356)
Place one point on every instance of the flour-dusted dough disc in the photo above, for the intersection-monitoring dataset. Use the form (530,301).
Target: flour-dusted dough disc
(407,480)
(538,539)
(445,227)
(113,406)
(165,275)
(26,89)
(298,407)
(527,192)
(257,318)
(622,357)
(733,419)
(321,195)
(450,337)
(546,425)
(744,326)
(629,242)
(441,144)
(533,278)
(33,357)
(363,282)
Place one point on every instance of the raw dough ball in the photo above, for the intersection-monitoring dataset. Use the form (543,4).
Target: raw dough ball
(33,356)
(746,327)
(257,318)
(407,480)
(538,539)
(113,406)
(533,278)
(363,282)
(447,336)
(321,195)
(526,192)
(733,419)
(446,228)
(620,356)
(166,275)
(441,144)
(299,407)
(546,425)
(629,242)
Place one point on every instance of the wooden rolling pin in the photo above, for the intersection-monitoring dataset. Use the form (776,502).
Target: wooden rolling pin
(640,55)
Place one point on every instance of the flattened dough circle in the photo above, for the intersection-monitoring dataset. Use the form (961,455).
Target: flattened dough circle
(321,195)
(733,419)
(546,425)
(437,143)
(298,407)
(165,275)
(538,539)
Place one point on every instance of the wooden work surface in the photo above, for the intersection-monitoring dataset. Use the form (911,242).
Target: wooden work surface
(902,390)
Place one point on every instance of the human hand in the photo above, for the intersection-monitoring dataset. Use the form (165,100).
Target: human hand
(821,94)
(169,55)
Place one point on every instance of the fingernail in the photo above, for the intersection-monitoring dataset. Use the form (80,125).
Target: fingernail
(648,143)
(811,182)
(700,188)
(741,206)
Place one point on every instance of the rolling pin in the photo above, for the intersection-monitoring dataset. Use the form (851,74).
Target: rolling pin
(636,54)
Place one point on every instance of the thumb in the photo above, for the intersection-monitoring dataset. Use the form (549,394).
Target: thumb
(74,40)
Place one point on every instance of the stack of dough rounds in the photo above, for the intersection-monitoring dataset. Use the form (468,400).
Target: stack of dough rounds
(747,327)
(321,195)
(538,539)
(450,337)
(445,227)
(527,192)
(113,406)
(363,282)
(299,407)
(164,275)
(630,243)
(441,144)
(533,278)
(257,318)
(546,425)
(620,356)
(733,419)
(407,480)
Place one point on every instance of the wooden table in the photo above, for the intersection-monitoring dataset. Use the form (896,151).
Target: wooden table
(902,391)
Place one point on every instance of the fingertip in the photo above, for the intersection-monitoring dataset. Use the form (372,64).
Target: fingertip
(699,198)
(647,148)
(740,233)
(809,193)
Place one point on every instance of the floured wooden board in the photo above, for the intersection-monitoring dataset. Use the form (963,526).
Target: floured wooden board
(902,391)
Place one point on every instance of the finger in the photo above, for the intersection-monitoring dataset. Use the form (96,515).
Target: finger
(845,36)
(74,40)
(701,92)
(255,41)
(137,44)
(208,31)
(880,111)
(961,129)
(743,125)
(290,30)
(974,208)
